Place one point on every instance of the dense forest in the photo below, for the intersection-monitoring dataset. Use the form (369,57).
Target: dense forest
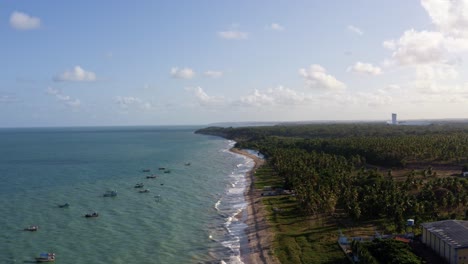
(348,167)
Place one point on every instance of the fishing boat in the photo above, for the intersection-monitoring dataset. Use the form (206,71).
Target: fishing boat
(94,214)
(188,164)
(145,170)
(110,194)
(139,185)
(162,168)
(144,191)
(167,171)
(65,205)
(154,176)
(46,257)
(31,228)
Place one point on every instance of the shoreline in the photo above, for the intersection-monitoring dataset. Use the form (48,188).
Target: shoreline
(256,248)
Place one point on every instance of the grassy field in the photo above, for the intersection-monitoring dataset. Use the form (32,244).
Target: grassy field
(298,239)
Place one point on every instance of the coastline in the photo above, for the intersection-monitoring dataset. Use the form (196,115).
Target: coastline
(257,247)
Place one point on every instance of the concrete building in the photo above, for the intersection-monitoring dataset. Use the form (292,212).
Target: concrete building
(394,119)
(448,238)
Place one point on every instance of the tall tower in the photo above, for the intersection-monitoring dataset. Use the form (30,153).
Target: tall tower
(394,120)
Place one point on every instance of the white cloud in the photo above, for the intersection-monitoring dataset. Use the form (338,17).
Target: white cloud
(276,27)
(7,98)
(78,74)
(389,44)
(204,99)
(316,77)
(67,100)
(365,68)
(184,73)
(213,74)
(436,72)
(442,45)
(418,47)
(450,17)
(274,97)
(256,99)
(392,88)
(127,102)
(233,35)
(23,21)
(355,30)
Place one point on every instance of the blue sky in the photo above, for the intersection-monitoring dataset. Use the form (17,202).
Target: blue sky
(86,63)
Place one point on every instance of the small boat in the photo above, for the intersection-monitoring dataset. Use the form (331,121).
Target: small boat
(145,170)
(31,228)
(139,185)
(110,194)
(162,168)
(167,171)
(94,214)
(154,176)
(46,257)
(65,205)
(188,164)
(144,191)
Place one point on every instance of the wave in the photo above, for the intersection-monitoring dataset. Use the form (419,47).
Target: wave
(231,205)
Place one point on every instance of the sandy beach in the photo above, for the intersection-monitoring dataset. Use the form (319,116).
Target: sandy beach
(258,248)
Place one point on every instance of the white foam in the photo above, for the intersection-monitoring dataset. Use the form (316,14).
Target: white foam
(217,205)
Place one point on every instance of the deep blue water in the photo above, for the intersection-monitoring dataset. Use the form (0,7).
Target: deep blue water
(187,217)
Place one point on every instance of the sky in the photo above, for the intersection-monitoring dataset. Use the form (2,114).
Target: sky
(106,63)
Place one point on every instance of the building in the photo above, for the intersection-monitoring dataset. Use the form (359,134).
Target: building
(394,120)
(448,238)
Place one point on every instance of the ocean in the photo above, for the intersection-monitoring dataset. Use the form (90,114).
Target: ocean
(191,214)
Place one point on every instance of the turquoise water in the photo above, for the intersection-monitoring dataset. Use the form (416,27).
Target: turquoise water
(187,217)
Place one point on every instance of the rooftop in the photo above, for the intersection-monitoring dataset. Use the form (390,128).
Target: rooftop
(454,232)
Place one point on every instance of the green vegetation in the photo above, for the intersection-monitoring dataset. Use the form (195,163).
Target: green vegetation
(386,251)
(298,238)
(365,173)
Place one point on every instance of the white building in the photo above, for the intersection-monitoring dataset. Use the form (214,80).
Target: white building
(448,238)
(394,119)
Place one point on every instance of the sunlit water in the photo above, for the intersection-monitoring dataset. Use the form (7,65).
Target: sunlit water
(187,217)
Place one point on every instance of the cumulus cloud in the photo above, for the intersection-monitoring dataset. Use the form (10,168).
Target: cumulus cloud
(450,17)
(316,77)
(65,99)
(78,74)
(274,96)
(204,99)
(184,73)
(127,102)
(436,72)
(418,47)
(233,35)
(438,79)
(354,30)
(213,74)
(442,45)
(23,21)
(256,99)
(276,27)
(365,68)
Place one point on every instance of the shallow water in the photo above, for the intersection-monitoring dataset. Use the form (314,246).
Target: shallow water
(192,221)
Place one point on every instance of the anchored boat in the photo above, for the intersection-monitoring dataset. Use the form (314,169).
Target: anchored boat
(46,257)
